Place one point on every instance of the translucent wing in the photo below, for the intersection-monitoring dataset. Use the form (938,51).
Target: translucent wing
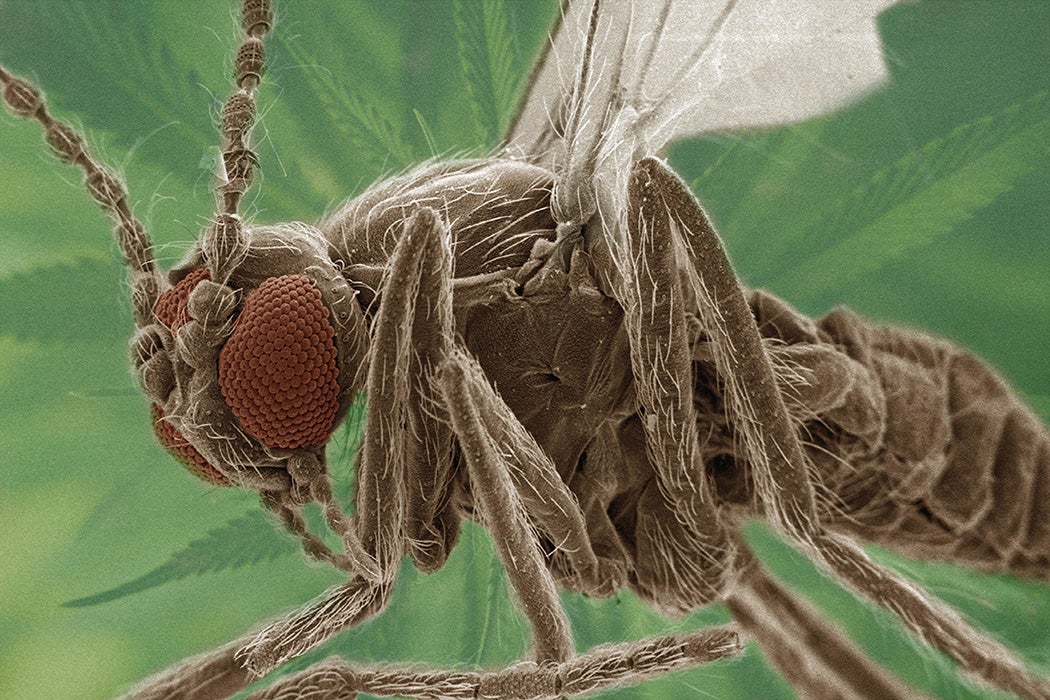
(685,68)
(621,79)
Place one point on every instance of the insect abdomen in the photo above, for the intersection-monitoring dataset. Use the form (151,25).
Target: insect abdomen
(944,460)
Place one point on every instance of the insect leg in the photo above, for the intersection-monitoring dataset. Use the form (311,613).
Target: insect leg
(783,487)
(391,438)
(771,445)
(810,652)
(600,669)
(661,319)
(938,624)
(383,471)
(502,511)
(431,525)
(209,676)
(684,551)
(550,505)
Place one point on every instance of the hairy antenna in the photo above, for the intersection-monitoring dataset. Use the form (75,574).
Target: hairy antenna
(224,243)
(238,114)
(26,100)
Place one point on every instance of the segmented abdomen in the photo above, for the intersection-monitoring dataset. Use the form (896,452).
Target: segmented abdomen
(925,449)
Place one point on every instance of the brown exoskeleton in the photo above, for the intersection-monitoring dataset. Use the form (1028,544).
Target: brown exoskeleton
(648,403)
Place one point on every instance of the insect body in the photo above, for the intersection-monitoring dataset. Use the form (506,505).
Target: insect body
(562,348)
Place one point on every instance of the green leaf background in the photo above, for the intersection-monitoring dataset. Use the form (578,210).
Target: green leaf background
(927,204)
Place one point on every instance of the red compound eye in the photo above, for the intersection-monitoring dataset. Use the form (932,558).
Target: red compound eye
(277,372)
(183,451)
(170,308)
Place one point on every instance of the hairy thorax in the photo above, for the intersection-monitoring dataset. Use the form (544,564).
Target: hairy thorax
(556,353)
(495,210)
(554,346)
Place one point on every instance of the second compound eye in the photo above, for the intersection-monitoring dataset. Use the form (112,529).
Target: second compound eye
(278,371)
(182,450)
(171,306)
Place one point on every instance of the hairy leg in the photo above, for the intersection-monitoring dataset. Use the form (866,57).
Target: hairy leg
(811,653)
(600,669)
(502,511)
(551,507)
(431,525)
(684,552)
(780,470)
(211,675)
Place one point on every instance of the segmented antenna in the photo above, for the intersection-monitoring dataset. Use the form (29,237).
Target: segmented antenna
(25,100)
(225,244)
(238,114)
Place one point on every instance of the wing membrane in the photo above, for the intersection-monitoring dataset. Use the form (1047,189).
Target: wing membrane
(686,68)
